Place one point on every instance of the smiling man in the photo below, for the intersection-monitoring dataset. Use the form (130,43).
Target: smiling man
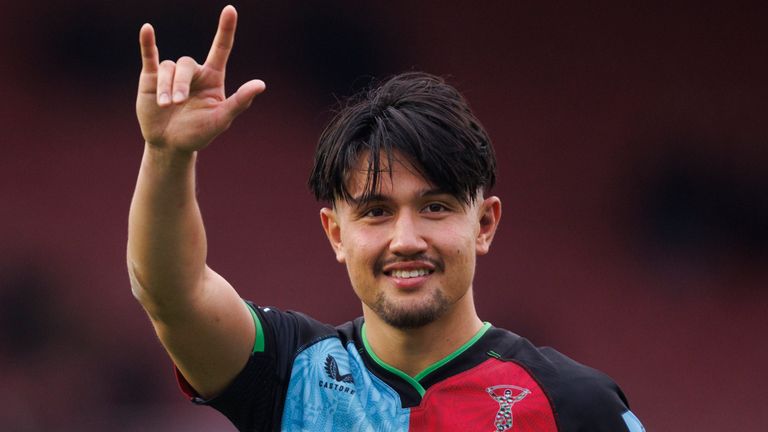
(406,170)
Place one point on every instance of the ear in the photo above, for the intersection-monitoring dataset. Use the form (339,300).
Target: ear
(329,220)
(489,214)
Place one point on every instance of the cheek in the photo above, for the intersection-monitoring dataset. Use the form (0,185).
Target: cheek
(456,242)
(458,250)
(361,252)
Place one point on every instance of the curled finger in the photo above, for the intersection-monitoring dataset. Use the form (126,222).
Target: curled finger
(164,82)
(186,67)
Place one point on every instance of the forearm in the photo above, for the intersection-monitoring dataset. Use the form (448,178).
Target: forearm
(166,238)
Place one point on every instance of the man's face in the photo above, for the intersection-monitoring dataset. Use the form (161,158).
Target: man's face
(410,250)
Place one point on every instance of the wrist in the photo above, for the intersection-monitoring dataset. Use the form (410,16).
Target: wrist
(167,157)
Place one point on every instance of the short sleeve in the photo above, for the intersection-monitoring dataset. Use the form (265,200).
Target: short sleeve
(254,400)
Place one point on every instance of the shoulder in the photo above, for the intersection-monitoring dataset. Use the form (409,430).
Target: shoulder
(297,330)
(582,397)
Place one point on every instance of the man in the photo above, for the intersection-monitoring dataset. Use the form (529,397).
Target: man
(406,168)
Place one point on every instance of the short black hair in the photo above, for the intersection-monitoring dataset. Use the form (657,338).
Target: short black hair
(423,119)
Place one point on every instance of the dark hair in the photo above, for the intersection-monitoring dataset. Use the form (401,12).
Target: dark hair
(423,119)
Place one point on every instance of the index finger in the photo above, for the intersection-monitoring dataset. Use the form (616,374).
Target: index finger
(224,39)
(150,58)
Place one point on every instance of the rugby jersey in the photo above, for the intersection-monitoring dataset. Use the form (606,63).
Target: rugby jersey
(308,376)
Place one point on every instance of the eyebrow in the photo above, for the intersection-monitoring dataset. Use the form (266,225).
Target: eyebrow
(360,201)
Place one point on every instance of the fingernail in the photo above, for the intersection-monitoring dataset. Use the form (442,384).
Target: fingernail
(164,99)
(178,96)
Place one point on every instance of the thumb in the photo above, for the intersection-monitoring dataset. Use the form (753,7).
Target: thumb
(242,98)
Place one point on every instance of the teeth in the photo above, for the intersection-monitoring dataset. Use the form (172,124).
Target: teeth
(405,274)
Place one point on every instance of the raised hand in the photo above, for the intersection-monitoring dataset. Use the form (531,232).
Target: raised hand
(182,105)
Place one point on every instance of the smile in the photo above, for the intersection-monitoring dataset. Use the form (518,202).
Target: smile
(407,274)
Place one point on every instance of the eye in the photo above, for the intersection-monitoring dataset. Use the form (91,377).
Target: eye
(375,212)
(435,208)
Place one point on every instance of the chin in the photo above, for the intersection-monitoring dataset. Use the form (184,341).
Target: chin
(404,314)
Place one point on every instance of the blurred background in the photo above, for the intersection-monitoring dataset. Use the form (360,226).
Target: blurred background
(632,146)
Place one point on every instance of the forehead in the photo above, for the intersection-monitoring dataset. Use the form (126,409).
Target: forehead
(397,174)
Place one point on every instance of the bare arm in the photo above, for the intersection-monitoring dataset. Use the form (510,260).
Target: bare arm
(182,107)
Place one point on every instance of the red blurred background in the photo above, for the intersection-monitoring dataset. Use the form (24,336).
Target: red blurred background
(632,148)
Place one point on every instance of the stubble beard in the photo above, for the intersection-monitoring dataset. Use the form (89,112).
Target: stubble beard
(407,314)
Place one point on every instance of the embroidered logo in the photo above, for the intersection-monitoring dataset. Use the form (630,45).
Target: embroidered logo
(506,396)
(332,370)
(337,379)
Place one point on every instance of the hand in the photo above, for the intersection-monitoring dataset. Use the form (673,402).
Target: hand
(182,105)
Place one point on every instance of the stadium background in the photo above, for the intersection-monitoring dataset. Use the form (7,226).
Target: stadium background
(632,148)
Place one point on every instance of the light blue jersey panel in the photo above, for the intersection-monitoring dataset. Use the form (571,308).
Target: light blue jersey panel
(331,390)
(633,423)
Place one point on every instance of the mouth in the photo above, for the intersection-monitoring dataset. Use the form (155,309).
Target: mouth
(409,274)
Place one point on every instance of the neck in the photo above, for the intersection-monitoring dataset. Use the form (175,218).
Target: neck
(414,350)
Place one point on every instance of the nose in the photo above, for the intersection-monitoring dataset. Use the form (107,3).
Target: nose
(407,238)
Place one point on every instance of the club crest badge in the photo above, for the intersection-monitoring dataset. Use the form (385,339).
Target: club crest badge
(506,396)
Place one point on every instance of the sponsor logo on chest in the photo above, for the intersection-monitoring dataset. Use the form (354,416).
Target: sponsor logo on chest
(338,382)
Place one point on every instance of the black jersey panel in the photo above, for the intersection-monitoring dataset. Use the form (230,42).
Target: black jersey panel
(252,402)
(585,399)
